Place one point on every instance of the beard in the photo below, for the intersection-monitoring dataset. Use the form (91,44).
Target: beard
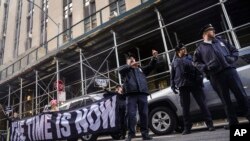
(211,36)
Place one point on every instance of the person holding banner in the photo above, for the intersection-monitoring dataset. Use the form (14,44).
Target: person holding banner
(14,117)
(122,111)
(136,89)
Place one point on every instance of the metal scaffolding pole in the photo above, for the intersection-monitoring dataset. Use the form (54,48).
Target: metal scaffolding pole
(36,91)
(108,72)
(139,55)
(32,103)
(9,103)
(21,98)
(117,57)
(236,42)
(163,37)
(57,79)
(225,26)
(9,96)
(85,81)
(81,69)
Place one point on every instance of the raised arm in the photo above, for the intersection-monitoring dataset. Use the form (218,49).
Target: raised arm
(148,68)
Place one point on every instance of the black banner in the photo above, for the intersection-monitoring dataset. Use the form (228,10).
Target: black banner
(99,117)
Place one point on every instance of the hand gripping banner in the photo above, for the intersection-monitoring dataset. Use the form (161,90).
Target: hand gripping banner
(99,117)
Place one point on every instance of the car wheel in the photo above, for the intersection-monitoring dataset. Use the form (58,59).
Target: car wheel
(89,137)
(162,120)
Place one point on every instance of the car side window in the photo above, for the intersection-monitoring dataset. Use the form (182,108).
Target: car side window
(86,102)
(76,104)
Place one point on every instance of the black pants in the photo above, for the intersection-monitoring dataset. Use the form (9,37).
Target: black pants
(133,101)
(230,80)
(199,96)
(123,119)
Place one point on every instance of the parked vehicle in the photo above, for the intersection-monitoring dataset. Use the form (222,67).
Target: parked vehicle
(165,112)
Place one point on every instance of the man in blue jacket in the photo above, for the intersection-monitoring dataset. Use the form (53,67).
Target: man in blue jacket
(188,80)
(136,89)
(216,57)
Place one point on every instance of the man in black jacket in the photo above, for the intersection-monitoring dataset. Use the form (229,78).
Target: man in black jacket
(216,57)
(136,89)
(189,80)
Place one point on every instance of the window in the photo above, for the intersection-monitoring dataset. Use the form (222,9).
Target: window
(18,23)
(29,24)
(2,43)
(67,19)
(44,22)
(89,15)
(117,7)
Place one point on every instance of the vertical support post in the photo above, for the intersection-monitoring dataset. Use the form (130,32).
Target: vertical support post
(36,91)
(108,73)
(57,79)
(81,69)
(9,96)
(225,26)
(85,80)
(21,98)
(139,55)
(163,37)
(236,42)
(8,104)
(117,57)
(32,103)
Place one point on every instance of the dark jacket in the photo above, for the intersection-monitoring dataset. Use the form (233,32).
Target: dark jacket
(216,57)
(135,78)
(183,73)
(120,97)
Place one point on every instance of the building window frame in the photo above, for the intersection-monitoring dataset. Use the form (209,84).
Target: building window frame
(4,30)
(117,7)
(17,32)
(29,24)
(67,19)
(44,22)
(90,21)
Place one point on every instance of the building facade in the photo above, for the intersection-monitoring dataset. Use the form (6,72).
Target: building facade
(77,41)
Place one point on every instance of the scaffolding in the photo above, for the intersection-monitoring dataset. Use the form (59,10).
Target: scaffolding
(41,89)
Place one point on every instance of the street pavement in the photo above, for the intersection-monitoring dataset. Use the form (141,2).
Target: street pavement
(220,134)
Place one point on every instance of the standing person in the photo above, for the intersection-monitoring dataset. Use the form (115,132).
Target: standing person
(216,57)
(14,117)
(135,85)
(188,80)
(122,111)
